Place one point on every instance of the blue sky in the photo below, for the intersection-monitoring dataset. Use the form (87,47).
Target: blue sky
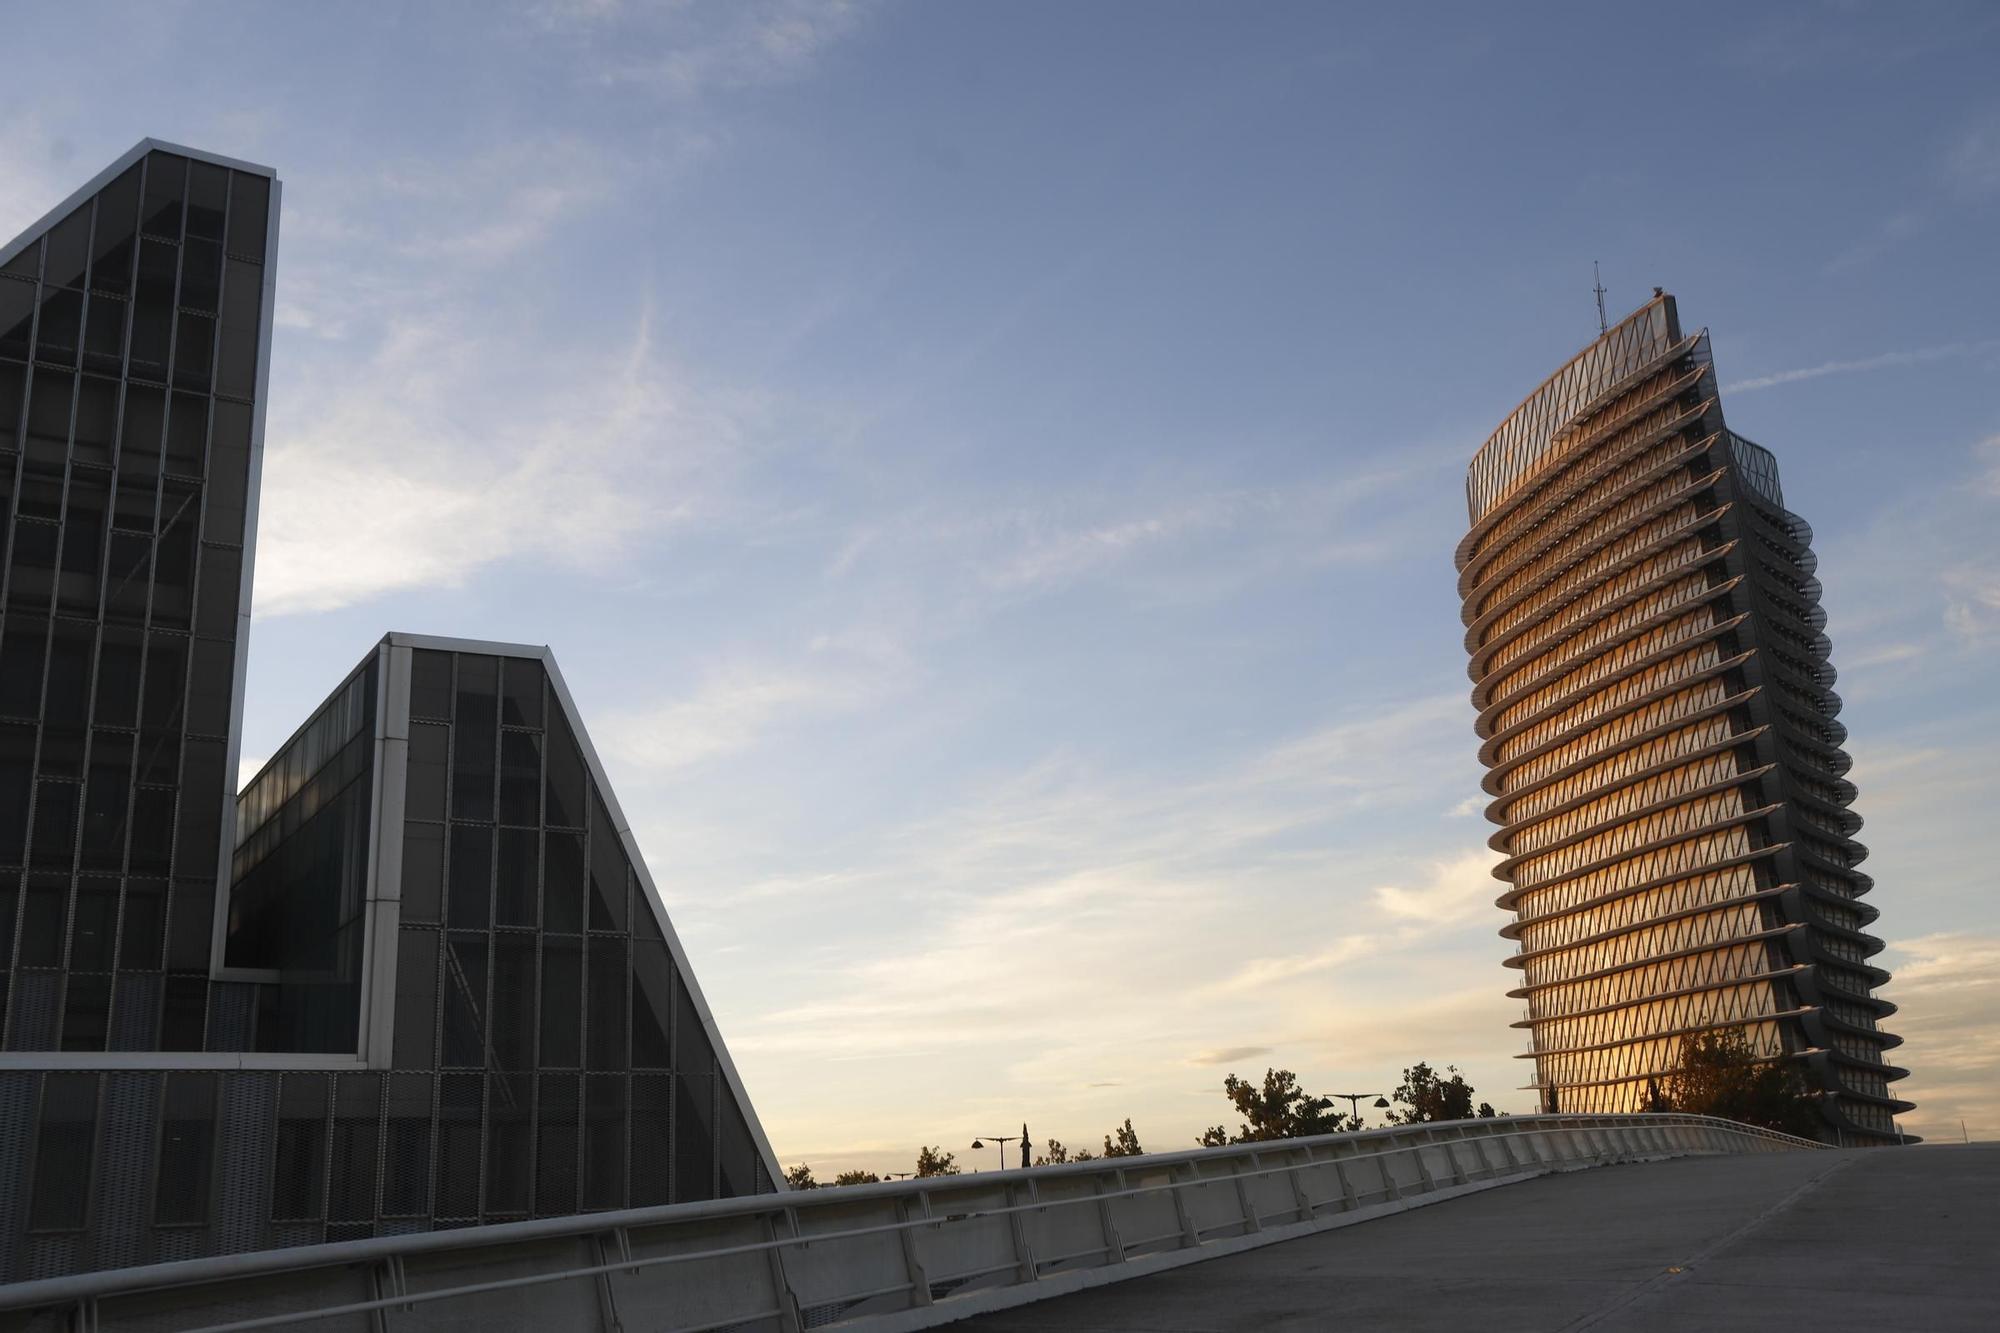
(990,473)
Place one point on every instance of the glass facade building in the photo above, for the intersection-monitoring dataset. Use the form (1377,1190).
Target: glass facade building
(417,974)
(1657,719)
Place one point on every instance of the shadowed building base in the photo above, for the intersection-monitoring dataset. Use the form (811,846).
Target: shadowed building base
(1702,1243)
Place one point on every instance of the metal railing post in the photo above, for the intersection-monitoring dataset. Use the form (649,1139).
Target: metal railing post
(1190,1237)
(1251,1222)
(1114,1243)
(1390,1188)
(1296,1174)
(607,1303)
(1423,1167)
(789,1317)
(913,1263)
(1506,1142)
(1349,1200)
(1024,1248)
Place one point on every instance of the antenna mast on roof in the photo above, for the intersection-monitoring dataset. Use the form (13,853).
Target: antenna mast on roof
(1598,278)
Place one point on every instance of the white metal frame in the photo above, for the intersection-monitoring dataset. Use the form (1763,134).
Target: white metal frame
(903,1255)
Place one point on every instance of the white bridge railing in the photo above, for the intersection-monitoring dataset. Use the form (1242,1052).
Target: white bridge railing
(903,1255)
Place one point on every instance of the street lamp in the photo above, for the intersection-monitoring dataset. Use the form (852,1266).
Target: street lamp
(1354,1102)
(1000,1141)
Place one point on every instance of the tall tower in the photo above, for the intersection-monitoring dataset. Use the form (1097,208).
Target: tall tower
(1657,719)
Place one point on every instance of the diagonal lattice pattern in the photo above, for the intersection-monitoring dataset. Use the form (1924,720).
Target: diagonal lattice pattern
(1658,721)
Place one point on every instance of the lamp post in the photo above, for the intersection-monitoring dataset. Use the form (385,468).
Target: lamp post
(1000,1141)
(1354,1103)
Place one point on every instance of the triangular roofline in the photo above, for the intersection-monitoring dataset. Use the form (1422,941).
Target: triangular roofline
(595,767)
(36,229)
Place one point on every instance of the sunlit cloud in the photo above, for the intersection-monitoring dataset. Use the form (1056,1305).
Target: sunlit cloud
(1453,890)
(1947,988)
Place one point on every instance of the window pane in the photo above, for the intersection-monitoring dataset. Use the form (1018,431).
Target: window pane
(607,873)
(465,1001)
(471,900)
(514,1010)
(430,684)
(562,1002)
(521,703)
(515,901)
(300,1167)
(556,1143)
(64,1140)
(604,1141)
(565,778)
(520,778)
(652,1006)
(429,746)
(416,999)
(187,1149)
(423,872)
(474,737)
(606,1024)
(562,882)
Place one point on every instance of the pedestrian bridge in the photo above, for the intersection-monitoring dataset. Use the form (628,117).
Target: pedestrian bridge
(1060,1247)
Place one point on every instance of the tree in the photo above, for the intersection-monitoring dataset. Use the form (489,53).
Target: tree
(800,1177)
(1280,1109)
(1215,1136)
(1721,1074)
(1127,1144)
(857,1178)
(936,1162)
(1427,1097)
(1058,1154)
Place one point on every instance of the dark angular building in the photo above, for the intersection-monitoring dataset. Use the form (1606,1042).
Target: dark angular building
(1657,716)
(417,974)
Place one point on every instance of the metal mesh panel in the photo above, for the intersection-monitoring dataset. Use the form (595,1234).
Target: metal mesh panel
(53,1256)
(355,1149)
(460,1099)
(298,1185)
(652,1139)
(232,1005)
(17,1118)
(37,1007)
(124,1172)
(135,1012)
(406,1151)
(249,1126)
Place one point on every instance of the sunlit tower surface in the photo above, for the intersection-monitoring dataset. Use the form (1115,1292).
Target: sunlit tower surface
(1657,720)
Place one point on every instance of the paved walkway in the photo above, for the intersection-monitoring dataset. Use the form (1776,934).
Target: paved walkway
(1882,1239)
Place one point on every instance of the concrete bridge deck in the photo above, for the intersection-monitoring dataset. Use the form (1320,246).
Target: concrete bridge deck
(1886,1238)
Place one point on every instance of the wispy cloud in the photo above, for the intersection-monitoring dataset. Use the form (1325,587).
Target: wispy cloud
(426,466)
(1062,921)
(739,704)
(1913,357)
(1450,892)
(1974,160)
(694,49)
(1900,227)
(1228,1055)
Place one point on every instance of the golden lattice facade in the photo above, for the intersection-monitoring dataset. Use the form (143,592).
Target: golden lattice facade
(1657,721)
